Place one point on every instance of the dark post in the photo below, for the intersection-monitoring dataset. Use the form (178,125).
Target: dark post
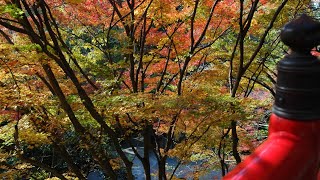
(292,150)
(297,88)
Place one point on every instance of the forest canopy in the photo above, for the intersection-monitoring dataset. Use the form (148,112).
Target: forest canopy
(99,85)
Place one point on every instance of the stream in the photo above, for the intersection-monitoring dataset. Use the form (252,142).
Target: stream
(183,171)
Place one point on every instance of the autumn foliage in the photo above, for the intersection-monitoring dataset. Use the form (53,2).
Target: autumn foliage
(81,80)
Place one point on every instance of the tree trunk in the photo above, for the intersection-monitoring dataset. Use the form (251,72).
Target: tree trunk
(235,141)
(146,158)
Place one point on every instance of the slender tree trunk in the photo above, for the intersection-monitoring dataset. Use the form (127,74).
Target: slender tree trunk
(235,141)
(162,168)
(146,151)
(78,127)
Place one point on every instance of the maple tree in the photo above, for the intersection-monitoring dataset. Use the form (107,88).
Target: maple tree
(252,33)
(86,77)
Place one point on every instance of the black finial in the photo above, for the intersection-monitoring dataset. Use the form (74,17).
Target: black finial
(297,91)
(301,34)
